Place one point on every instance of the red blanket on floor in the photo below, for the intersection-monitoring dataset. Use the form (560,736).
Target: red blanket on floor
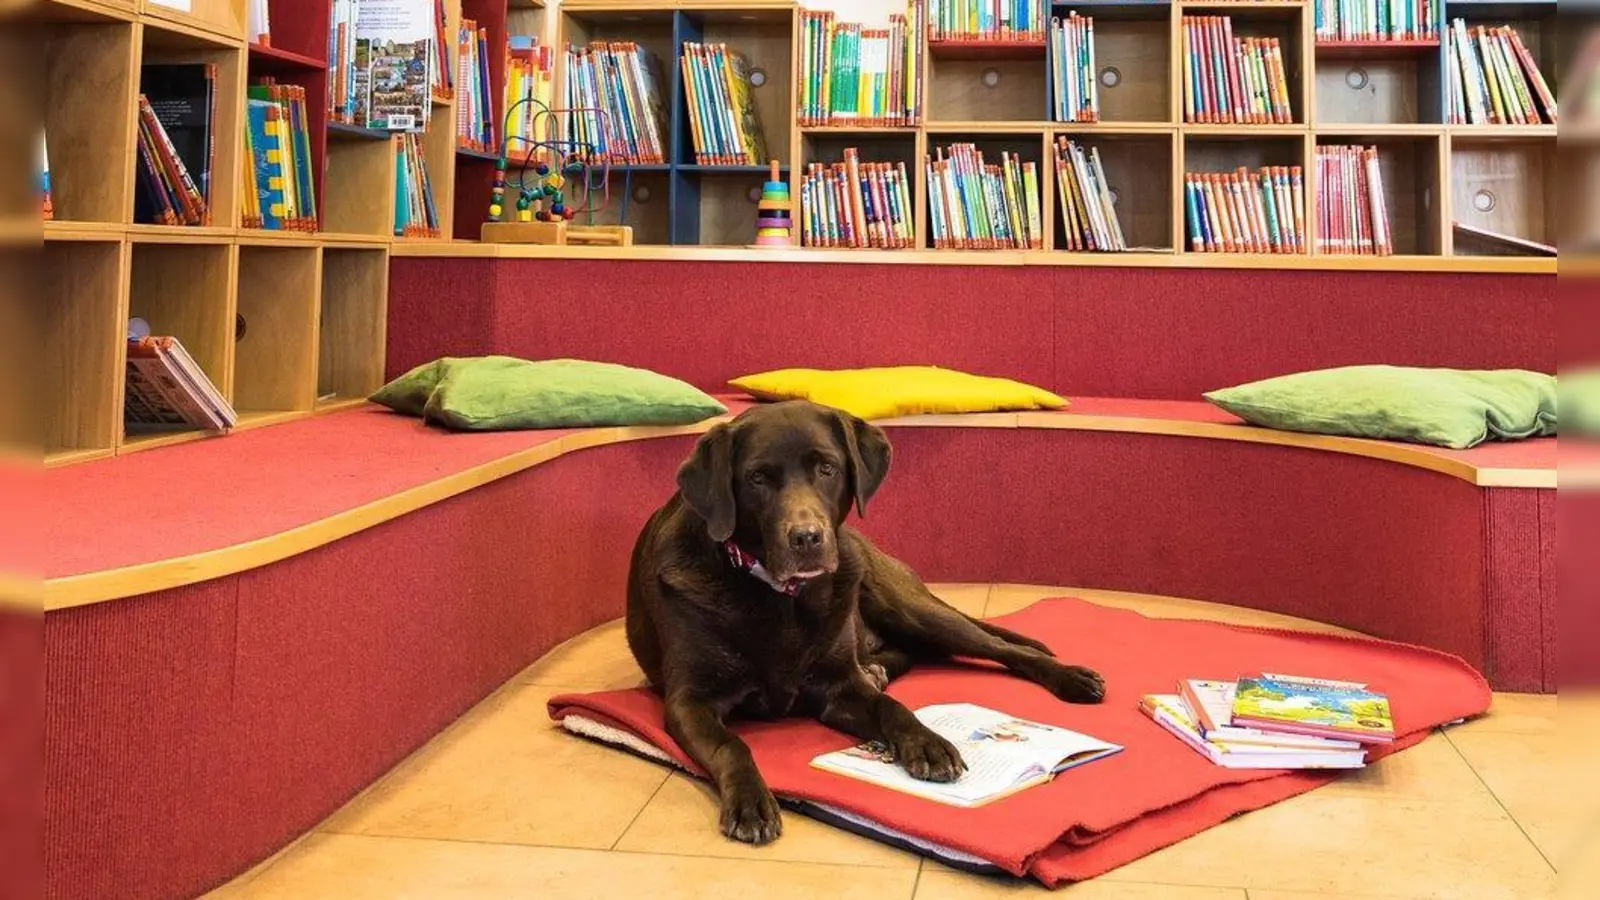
(1095,818)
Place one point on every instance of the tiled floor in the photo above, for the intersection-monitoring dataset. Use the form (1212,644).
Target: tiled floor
(503,807)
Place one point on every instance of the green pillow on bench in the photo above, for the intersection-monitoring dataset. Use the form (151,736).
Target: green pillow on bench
(1446,407)
(501,393)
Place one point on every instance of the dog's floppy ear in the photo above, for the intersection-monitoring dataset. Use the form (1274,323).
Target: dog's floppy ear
(706,481)
(867,456)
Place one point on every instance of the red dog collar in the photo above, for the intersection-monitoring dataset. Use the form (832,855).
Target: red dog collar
(748,563)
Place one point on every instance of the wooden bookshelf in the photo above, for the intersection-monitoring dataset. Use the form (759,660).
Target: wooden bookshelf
(269,315)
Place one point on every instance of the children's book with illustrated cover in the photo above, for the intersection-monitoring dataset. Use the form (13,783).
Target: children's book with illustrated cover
(397,37)
(1210,705)
(1334,709)
(1170,712)
(1004,755)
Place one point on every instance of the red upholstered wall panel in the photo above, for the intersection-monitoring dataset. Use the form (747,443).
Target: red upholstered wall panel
(439,307)
(1161,333)
(21,759)
(1516,591)
(1549,592)
(138,758)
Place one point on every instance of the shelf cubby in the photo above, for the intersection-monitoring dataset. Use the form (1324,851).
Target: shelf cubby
(1028,144)
(275,331)
(716,205)
(1412,181)
(764,37)
(358,168)
(221,17)
(164,45)
(185,287)
(1133,59)
(1144,203)
(1378,83)
(354,298)
(969,82)
(1504,185)
(1286,20)
(81,305)
(89,69)
(1535,22)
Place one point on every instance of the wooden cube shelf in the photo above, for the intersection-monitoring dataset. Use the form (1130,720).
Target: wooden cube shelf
(1144,203)
(82,306)
(220,17)
(90,75)
(355,295)
(1412,187)
(1133,59)
(275,332)
(164,44)
(1504,185)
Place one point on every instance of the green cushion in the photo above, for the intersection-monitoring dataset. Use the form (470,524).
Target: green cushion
(499,393)
(1446,407)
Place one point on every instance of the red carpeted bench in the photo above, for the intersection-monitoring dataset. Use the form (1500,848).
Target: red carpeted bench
(241,633)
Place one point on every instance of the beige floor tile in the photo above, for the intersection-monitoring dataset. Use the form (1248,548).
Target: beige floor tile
(1324,842)
(1540,787)
(969,598)
(1258,894)
(507,774)
(944,885)
(598,659)
(350,867)
(1009,598)
(1432,770)
(1514,714)
(682,819)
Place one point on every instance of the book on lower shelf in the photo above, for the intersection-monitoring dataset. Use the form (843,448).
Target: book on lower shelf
(857,204)
(1230,80)
(475,122)
(415,212)
(1004,754)
(1246,212)
(723,121)
(279,186)
(857,77)
(1088,213)
(974,204)
(616,109)
(168,391)
(1494,80)
(176,145)
(1352,214)
(1020,21)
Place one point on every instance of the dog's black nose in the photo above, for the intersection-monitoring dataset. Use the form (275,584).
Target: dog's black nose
(805,537)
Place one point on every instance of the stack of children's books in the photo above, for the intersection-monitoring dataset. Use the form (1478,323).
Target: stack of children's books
(1274,721)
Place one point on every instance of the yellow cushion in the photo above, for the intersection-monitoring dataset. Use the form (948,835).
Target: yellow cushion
(898,391)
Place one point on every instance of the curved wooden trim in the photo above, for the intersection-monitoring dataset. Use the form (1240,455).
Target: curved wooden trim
(128,581)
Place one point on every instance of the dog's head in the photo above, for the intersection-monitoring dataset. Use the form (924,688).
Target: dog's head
(780,479)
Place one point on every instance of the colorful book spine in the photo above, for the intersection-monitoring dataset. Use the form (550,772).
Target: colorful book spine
(415,213)
(861,77)
(1494,79)
(282,187)
(1246,212)
(1367,21)
(1352,212)
(725,127)
(1074,85)
(1088,212)
(476,123)
(1231,80)
(441,77)
(47,206)
(1011,21)
(857,204)
(978,205)
(529,97)
(615,110)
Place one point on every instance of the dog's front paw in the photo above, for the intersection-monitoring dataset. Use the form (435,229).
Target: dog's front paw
(750,814)
(928,757)
(877,675)
(1075,684)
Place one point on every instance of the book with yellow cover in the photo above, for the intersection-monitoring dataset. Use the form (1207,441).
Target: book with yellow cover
(1333,709)
(1004,755)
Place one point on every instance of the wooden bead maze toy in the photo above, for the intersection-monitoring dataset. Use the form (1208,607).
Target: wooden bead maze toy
(543,212)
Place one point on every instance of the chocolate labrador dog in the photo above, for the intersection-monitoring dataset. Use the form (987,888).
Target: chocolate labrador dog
(749,596)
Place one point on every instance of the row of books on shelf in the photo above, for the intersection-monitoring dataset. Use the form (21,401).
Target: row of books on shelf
(1272,721)
(1494,80)
(862,77)
(857,204)
(723,121)
(1232,80)
(176,145)
(1352,212)
(415,212)
(166,390)
(1074,81)
(1021,21)
(476,118)
(1375,20)
(278,185)
(975,204)
(530,89)
(1088,205)
(614,102)
(1246,212)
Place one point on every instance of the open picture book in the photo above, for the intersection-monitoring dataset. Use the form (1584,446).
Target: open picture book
(1004,755)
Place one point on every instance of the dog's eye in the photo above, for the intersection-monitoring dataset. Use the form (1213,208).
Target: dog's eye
(757,478)
(827,470)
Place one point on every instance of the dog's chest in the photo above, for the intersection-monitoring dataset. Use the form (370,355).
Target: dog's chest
(778,662)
